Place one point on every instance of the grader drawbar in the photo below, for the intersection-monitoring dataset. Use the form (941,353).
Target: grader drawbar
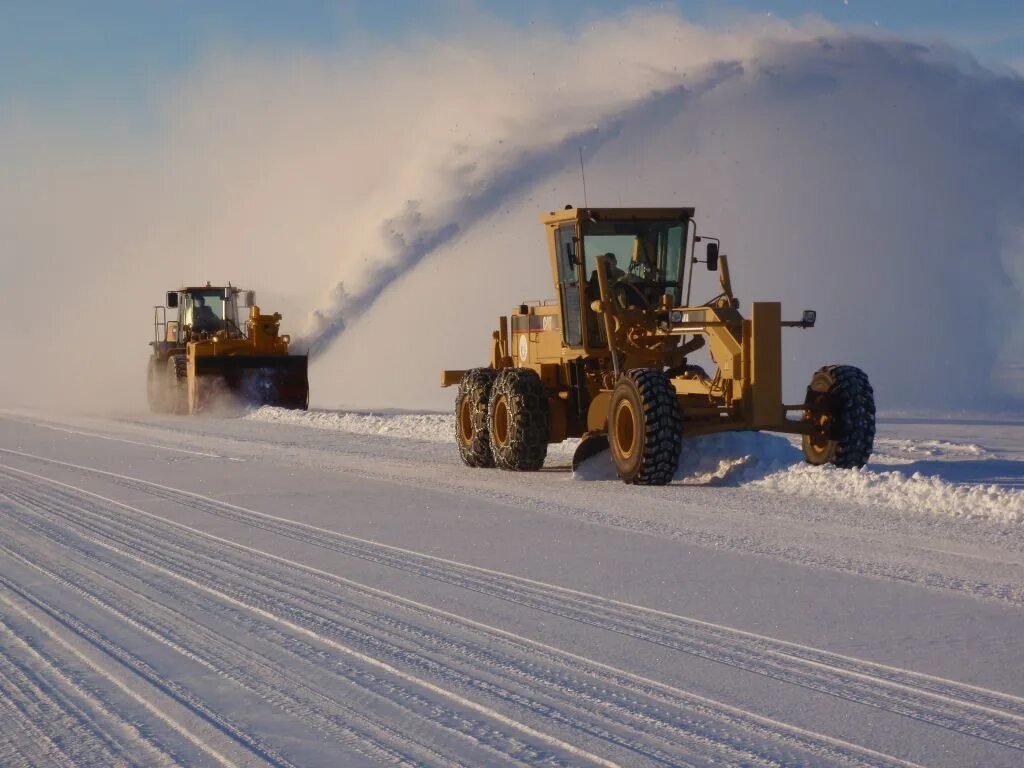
(608,360)
(208,356)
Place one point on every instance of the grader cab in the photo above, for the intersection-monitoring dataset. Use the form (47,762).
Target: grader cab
(209,354)
(608,361)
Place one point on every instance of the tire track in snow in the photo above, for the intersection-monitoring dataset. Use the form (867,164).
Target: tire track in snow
(24,705)
(78,649)
(265,754)
(688,723)
(608,709)
(499,733)
(301,697)
(90,594)
(80,728)
(972,710)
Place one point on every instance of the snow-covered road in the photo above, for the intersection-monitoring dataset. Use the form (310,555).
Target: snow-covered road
(334,589)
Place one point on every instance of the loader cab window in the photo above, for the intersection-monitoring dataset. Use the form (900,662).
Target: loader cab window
(646,259)
(204,311)
(569,285)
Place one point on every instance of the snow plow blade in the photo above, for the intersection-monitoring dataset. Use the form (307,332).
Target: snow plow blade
(277,380)
(591,445)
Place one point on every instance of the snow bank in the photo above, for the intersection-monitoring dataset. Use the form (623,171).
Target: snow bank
(431,427)
(912,493)
(728,458)
(772,463)
(913,450)
(756,460)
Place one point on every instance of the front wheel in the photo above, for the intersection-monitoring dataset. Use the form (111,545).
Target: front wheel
(645,427)
(841,404)
(176,378)
(156,386)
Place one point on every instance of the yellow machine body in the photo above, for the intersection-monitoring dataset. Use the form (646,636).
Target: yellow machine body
(200,358)
(744,393)
(608,319)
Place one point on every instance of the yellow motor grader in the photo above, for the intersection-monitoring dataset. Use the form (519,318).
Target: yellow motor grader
(607,360)
(208,354)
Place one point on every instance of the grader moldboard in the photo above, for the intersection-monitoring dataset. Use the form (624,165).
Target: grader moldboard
(607,360)
(207,355)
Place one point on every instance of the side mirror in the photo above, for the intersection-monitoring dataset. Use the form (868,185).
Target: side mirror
(712,260)
(249,299)
(172,299)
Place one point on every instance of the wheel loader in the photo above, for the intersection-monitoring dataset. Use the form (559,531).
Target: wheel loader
(610,359)
(207,355)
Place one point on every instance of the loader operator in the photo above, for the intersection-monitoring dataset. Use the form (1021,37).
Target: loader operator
(204,318)
(612,272)
(623,285)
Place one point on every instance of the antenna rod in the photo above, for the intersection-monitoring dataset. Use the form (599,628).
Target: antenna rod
(583,176)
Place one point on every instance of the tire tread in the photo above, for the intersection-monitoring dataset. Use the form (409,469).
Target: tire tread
(476,385)
(663,425)
(527,445)
(854,415)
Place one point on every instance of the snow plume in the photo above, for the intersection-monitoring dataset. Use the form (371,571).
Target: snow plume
(871,179)
(478,186)
(398,191)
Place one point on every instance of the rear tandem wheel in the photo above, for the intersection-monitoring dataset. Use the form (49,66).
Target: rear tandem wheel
(517,420)
(471,417)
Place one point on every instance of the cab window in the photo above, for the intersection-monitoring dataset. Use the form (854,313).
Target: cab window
(569,285)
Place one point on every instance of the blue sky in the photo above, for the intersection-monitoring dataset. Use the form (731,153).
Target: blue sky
(57,53)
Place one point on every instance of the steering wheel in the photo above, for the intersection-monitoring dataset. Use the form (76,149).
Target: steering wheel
(623,284)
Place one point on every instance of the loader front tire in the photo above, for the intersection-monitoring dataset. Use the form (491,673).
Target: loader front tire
(517,420)
(156,386)
(841,402)
(176,391)
(645,427)
(471,417)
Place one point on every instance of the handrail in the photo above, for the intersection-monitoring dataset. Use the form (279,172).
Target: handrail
(159,322)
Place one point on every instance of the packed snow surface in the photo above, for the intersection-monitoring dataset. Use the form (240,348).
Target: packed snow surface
(336,588)
(920,477)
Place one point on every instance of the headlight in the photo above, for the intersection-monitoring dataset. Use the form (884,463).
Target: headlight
(809,317)
(675,316)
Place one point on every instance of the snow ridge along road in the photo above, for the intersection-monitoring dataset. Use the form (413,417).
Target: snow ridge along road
(905,475)
(162,625)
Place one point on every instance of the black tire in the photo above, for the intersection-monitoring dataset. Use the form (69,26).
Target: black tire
(177,384)
(156,386)
(471,417)
(645,427)
(517,420)
(841,400)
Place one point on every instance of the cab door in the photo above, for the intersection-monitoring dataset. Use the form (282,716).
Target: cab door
(567,245)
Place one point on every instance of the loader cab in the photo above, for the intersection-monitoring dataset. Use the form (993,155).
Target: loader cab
(646,250)
(205,311)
